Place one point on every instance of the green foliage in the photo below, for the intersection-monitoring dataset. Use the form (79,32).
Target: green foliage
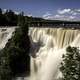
(0,11)
(70,67)
(9,18)
(21,19)
(14,57)
(5,71)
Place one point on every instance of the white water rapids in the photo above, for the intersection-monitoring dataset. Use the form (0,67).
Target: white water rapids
(48,46)
(5,35)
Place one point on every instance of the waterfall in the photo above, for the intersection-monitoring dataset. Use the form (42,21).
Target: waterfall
(5,34)
(48,46)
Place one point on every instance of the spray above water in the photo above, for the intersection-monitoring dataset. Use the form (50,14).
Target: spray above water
(45,65)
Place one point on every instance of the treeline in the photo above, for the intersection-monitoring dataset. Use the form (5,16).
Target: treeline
(9,18)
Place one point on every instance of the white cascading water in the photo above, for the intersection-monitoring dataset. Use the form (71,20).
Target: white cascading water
(48,46)
(5,34)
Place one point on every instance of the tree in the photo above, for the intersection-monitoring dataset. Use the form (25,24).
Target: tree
(20,50)
(5,71)
(70,67)
(14,57)
(0,11)
(10,17)
(1,16)
(21,19)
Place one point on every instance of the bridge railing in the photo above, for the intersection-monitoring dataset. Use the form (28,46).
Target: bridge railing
(55,24)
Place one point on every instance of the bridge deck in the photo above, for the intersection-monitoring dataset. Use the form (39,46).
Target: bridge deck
(55,24)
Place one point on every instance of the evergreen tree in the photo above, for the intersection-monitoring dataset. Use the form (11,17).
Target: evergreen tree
(21,46)
(1,16)
(21,19)
(70,67)
(5,71)
(14,57)
(0,11)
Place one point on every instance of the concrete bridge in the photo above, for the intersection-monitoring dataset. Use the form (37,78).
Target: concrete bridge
(55,24)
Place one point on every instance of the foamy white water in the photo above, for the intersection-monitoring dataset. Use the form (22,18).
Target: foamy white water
(5,34)
(46,57)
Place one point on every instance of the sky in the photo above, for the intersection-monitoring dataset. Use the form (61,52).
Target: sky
(48,9)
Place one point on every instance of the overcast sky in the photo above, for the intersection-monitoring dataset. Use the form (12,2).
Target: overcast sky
(48,9)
